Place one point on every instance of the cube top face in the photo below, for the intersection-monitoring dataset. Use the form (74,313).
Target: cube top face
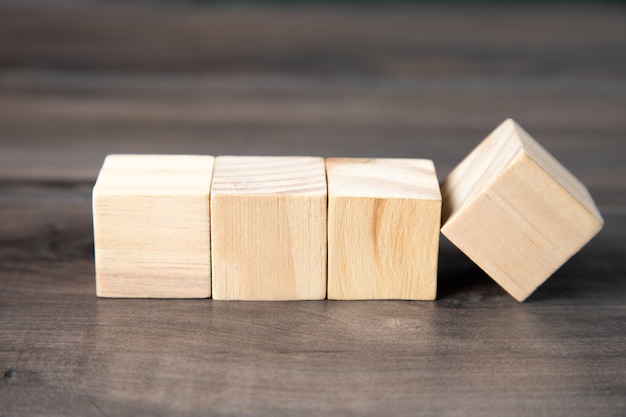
(155,175)
(268,228)
(383,178)
(558,172)
(525,214)
(383,229)
(263,175)
(151,226)
(480,168)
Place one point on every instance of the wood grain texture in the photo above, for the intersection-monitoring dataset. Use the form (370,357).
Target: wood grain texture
(80,82)
(383,228)
(268,228)
(151,226)
(516,211)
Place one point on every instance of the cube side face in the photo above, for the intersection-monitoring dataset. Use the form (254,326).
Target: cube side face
(522,228)
(269,247)
(152,246)
(382,248)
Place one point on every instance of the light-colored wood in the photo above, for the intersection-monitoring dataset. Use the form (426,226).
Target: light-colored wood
(516,211)
(151,226)
(383,229)
(268,220)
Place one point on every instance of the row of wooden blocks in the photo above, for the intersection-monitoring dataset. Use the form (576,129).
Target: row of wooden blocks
(305,228)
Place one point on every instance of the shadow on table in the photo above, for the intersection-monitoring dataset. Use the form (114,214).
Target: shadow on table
(458,276)
(592,276)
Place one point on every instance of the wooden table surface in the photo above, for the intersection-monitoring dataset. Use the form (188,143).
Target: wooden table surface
(78,81)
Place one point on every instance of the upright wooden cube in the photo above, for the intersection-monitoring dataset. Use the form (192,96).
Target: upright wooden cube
(383,229)
(268,220)
(151,226)
(516,211)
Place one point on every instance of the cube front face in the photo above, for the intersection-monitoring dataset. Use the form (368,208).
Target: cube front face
(151,226)
(383,229)
(268,218)
(522,228)
(382,249)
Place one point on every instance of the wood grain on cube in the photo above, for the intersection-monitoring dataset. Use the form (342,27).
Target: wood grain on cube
(151,226)
(516,211)
(269,228)
(383,228)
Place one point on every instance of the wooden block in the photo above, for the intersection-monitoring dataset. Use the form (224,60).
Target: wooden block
(516,211)
(383,229)
(268,220)
(151,226)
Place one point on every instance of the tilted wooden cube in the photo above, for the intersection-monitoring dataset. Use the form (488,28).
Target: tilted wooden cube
(151,226)
(268,220)
(383,229)
(516,211)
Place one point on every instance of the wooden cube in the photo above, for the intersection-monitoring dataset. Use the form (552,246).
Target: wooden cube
(383,229)
(151,226)
(268,220)
(516,211)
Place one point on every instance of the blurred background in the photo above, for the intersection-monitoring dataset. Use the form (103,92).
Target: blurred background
(80,79)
